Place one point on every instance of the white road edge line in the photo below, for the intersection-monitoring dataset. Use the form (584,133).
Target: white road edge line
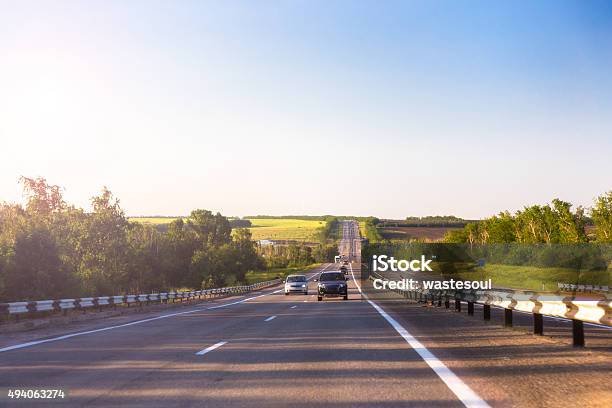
(211,348)
(270,318)
(68,336)
(465,394)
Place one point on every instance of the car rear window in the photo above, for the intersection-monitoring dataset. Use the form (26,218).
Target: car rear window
(335,276)
(296,279)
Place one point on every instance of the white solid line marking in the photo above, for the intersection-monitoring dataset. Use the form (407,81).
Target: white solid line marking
(293,307)
(68,336)
(465,394)
(270,318)
(211,348)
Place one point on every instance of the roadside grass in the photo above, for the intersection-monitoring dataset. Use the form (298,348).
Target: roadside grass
(285,229)
(535,278)
(261,276)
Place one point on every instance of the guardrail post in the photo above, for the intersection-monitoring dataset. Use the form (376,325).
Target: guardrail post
(486,312)
(470,308)
(578,333)
(457,305)
(440,301)
(508,317)
(538,324)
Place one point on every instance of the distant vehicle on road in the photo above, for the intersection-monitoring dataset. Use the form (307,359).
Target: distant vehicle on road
(332,284)
(296,284)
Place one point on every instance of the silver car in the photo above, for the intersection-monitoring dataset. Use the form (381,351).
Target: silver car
(296,284)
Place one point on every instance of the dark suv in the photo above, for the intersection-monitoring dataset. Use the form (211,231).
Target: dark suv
(332,284)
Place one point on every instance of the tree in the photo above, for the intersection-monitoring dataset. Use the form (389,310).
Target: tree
(36,271)
(472,233)
(325,253)
(105,248)
(502,228)
(210,229)
(179,246)
(247,257)
(457,236)
(571,226)
(144,267)
(240,223)
(602,217)
(216,267)
(529,225)
(42,198)
(330,230)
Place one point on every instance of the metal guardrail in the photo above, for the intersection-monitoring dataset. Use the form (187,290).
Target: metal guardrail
(64,305)
(576,309)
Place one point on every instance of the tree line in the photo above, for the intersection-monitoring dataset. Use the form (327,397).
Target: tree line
(427,221)
(330,231)
(51,249)
(370,227)
(240,223)
(554,223)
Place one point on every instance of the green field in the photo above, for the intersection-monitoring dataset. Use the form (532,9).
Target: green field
(535,278)
(285,229)
(362,230)
(261,276)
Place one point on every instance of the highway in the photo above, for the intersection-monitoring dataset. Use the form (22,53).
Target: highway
(266,349)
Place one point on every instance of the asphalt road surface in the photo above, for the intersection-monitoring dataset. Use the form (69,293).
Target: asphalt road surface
(266,349)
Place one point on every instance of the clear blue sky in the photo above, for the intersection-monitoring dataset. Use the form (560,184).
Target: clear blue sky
(359,107)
